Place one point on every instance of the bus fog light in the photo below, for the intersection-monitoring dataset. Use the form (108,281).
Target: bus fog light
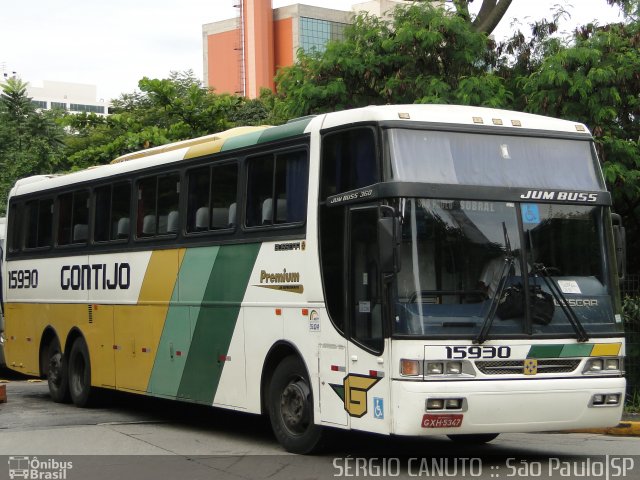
(454,368)
(410,367)
(434,368)
(453,404)
(598,399)
(613,399)
(612,364)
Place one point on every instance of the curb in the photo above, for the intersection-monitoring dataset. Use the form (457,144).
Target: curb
(623,429)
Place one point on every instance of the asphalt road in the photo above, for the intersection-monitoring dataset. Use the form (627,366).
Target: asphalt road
(137,437)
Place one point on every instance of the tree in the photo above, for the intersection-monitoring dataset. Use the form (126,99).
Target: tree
(163,111)
(423,54)
(31,142)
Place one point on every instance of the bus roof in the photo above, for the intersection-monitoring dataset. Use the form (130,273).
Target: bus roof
(240,137)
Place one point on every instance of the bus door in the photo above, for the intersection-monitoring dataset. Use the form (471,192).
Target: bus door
(367,387)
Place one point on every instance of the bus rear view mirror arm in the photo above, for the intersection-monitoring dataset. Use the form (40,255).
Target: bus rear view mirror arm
(620,243)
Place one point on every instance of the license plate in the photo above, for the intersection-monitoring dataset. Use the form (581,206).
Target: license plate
(442,421)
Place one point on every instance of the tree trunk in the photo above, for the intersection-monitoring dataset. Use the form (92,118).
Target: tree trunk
(490,14)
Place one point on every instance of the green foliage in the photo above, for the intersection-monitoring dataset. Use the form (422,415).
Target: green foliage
(422,55)
(31,142)
(163,111)
(631,315)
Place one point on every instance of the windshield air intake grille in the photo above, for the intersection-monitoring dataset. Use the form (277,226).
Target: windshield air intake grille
(516,367)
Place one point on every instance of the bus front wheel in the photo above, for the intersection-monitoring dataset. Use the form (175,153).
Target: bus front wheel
(57,373)
(291,408)
(80,374)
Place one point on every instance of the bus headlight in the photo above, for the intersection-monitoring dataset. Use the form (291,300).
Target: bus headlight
(607,365)
(612,364)
(594,365)
(435,368)
(454,368)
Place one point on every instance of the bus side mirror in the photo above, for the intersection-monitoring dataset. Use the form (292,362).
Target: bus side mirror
(620,244)
(389,236)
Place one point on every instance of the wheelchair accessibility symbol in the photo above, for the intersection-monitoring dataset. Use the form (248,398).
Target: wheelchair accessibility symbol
(378,408)
(530,213)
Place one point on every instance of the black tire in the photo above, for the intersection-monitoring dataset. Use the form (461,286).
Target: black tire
(79,368)
(57,372)
(474,439)
(290,405)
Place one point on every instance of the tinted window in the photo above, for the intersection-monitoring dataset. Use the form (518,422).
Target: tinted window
(349,161)
(277,189)
(39,221)
(158,202)
(73,218)
(112,212)
(212,198)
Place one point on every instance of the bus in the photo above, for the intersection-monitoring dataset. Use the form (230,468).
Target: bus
(406,270)
(3,229)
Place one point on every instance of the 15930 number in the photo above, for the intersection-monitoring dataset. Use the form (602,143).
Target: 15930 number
(23,279)
(473,352)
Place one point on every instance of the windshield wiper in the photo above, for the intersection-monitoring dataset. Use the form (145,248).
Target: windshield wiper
(493,306)
(581,333)
(497,295)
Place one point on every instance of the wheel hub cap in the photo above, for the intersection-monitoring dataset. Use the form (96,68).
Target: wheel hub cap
(293,405)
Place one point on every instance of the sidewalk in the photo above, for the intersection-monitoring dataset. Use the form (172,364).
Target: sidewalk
(629,426)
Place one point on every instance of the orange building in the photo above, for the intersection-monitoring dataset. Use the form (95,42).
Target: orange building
(242,54)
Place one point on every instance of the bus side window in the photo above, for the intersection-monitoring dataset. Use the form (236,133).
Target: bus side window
(120,210)
(39,218)
(112,207)
(158,204)
(14,225)
(277,189)
(168,204)
(349,161)
(73,218)
(224,189)
(259,189)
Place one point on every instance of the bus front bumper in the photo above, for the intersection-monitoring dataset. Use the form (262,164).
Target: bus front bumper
(505,406)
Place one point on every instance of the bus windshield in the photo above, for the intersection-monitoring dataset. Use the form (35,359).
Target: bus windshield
(457,158)
(461,259)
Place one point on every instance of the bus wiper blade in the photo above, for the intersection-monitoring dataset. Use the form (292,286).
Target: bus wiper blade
(493,306)
(581,333)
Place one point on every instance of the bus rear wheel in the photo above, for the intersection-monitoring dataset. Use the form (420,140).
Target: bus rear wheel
(290,405)
(474,438)
(80,374)
(57,373)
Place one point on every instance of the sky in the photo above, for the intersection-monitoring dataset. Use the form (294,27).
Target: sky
(114,44)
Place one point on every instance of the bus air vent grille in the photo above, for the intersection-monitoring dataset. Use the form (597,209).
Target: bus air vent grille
(515,367)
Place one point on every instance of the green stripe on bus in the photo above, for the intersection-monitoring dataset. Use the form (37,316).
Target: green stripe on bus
(181,318)
(216,321)
(545,351)
(581,350)
(291,129)
(246,140)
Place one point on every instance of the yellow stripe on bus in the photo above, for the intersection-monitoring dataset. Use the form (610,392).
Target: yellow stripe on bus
(139,327)
(606,350)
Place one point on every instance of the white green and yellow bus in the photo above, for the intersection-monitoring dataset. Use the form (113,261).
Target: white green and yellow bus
(405,270)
